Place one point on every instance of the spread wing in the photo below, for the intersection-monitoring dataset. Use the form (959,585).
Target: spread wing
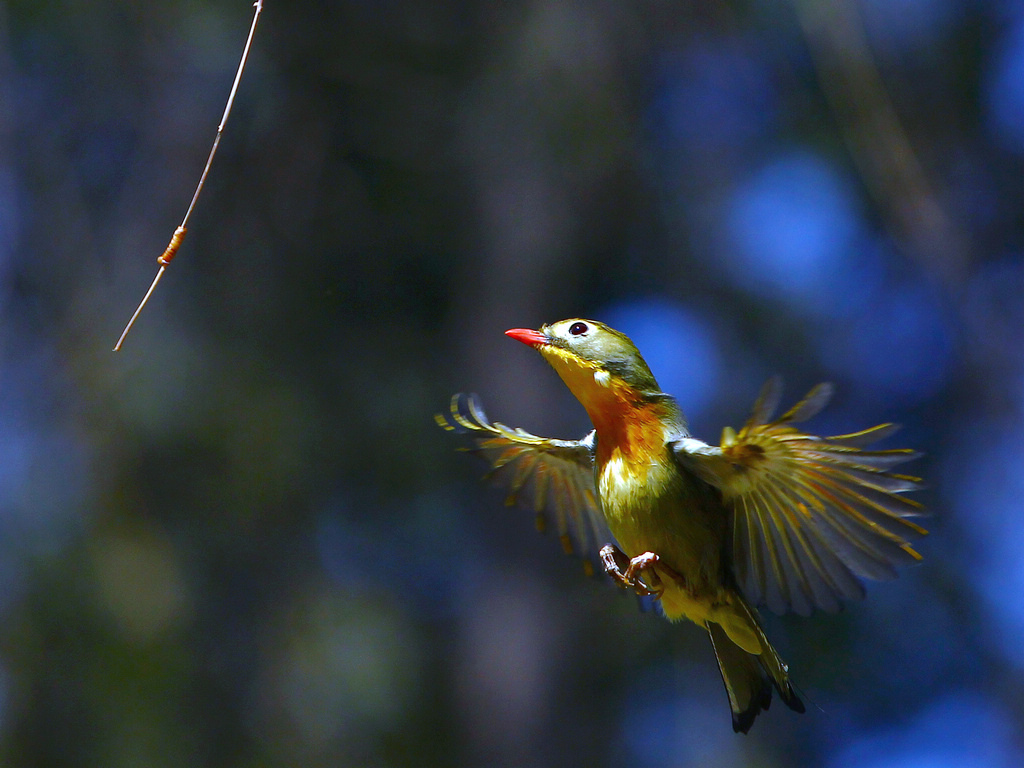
(810,514)
(550,477)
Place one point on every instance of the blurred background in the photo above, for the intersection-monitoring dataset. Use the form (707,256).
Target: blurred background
(242,540)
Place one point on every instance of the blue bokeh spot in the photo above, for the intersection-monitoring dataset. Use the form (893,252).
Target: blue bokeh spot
(900,344)
(961,730)
(678,345)
(715,95)
(792,232)
(988,482)
(1003,90)
(908,24)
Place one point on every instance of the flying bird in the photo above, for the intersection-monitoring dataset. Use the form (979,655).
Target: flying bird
(774,516)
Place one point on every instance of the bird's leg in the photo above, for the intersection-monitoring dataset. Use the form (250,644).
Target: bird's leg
(615,562)
(627,573)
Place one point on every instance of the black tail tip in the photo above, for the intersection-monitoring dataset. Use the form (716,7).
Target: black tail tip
(793,701)
(742,721)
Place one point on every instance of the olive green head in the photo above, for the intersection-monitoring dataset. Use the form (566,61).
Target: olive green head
(591,345)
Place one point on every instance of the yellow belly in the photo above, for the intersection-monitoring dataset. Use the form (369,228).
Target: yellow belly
(652,508)
(677,603)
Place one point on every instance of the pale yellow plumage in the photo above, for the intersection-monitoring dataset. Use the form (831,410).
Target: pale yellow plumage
(772,516)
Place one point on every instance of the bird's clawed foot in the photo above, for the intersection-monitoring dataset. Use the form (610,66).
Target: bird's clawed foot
(630,573)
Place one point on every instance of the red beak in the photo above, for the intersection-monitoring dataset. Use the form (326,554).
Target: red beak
(527,336)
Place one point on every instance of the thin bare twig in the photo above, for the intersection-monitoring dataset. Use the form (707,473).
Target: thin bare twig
(169,253)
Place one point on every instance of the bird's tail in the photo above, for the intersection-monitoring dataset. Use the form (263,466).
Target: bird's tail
(749,677)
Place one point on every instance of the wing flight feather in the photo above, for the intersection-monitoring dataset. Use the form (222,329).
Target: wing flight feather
(810,514)
(548,476)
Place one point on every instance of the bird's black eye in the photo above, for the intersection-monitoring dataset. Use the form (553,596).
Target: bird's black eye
(577,329)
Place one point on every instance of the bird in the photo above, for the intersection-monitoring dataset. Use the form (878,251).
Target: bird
(772,517)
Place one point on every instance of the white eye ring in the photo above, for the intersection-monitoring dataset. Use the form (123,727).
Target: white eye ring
(578,329)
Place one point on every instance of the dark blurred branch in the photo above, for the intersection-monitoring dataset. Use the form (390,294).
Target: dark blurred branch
(877,141)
